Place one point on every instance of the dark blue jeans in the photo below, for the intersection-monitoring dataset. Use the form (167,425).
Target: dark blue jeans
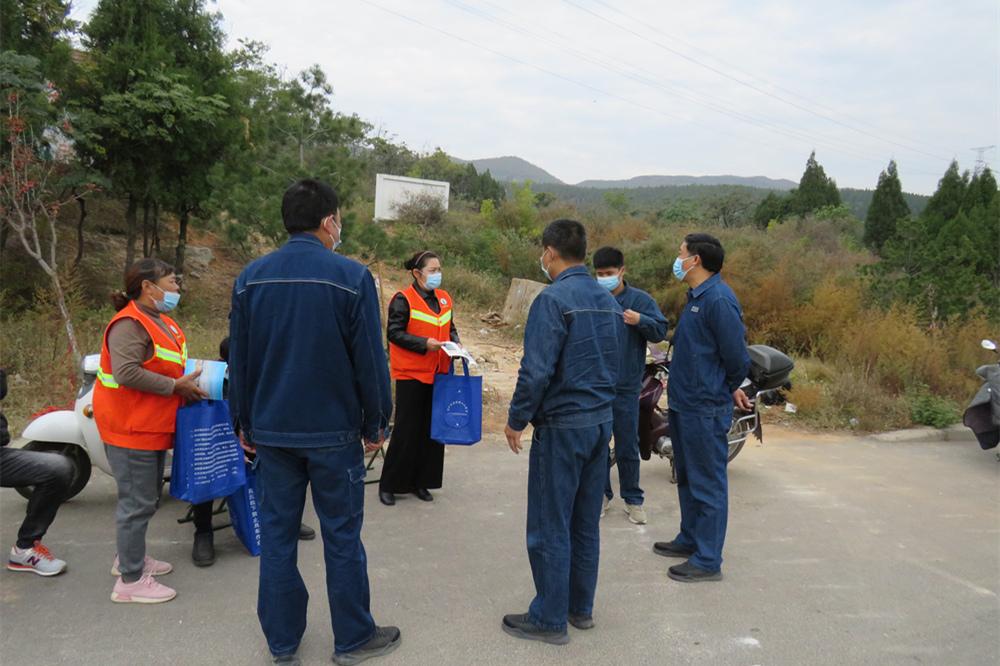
(50,474)
(626,432)
(566,471)
(337,475)
(701,450)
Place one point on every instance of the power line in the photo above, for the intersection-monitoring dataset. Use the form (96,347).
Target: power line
(751,75)
(645,78)
(746,84)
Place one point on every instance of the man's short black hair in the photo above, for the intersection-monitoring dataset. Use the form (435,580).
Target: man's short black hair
(608,257)
(568,238)
(306,203)
(708,248)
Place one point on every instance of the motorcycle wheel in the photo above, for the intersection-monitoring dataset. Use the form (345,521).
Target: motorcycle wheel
(76,455)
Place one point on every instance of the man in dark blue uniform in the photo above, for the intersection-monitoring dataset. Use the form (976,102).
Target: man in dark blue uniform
(709,363)
(644,324)
(565,388)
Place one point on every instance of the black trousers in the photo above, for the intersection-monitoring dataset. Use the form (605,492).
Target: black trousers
(414,460)
(50,473)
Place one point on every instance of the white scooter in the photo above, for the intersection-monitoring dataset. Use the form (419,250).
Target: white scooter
(70,433)
(74,433)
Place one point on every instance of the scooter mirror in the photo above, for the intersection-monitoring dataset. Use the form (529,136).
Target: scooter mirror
(989,344)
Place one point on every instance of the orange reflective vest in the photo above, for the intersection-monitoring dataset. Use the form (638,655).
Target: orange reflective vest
(424,323)
(135,419)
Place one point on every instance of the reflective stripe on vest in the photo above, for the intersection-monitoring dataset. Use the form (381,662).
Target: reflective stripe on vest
(431,319)
(168,355)
(108,381)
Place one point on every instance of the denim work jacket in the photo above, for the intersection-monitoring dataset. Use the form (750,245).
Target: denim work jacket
(572,350)
(306,363)
(710,358)
(652,327)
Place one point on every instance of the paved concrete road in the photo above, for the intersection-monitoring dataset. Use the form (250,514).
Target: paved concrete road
(840,551)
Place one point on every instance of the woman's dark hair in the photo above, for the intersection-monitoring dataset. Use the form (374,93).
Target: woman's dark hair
(306,203)
(142,270)
(419,260)
(708,248)
(568,238)
(224,349)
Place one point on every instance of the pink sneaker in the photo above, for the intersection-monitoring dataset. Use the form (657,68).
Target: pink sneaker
(143,591)
(150,567)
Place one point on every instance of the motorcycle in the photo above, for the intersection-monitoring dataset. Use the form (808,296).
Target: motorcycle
(769,374)
(73,434)
(982,416)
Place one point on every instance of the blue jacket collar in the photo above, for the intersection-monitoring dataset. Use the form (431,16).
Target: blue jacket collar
(304,237)
(705,286)
(572,270)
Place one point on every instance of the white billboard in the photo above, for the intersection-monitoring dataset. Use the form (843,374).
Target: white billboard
(390,191)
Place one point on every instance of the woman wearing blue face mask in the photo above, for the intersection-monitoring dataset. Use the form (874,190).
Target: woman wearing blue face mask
(419,323)
(140,385)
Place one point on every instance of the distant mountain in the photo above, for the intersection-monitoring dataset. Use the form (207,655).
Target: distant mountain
(760,182)
(512,168)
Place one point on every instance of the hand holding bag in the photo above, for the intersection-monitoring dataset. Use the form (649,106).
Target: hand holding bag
(457,407)
(208,460)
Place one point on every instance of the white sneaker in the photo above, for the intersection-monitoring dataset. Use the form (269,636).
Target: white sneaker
(150,567)
(36,559)
(604,506)
(636,513)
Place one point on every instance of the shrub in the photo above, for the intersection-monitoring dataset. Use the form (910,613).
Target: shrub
(929,409)
(423,210)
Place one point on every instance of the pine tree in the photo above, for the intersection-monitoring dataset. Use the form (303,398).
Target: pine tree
(947,199)
(887,207)
(815,190)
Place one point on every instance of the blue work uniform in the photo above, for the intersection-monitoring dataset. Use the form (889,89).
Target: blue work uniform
(710,361)
(652,328)
(565,388)
(308,381)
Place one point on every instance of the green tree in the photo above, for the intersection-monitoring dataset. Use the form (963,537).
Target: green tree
(617,201)
(947,199)
(773,207)
(290,130)
(41,29)
(159,87)
(887,208)
(815,190)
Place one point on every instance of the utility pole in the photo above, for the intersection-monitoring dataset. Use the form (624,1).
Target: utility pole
(980,162)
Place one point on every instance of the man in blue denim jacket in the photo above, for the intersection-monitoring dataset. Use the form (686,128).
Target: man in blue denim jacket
(644,323)
(710,362)
(565,388)
(308,380)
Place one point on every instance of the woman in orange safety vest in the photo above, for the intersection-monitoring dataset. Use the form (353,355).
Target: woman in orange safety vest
(140,384)
(419,323)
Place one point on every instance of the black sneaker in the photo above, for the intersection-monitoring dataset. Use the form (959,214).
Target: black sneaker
(203,552)
(582,622)
(306,533)
(671,549)
(689,573)
(521,626)
(385,640)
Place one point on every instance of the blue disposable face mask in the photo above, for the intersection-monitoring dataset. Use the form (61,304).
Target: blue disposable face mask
(340,237)
(679,271)
(434,280)
(170,300)
(609,282)
(541,264)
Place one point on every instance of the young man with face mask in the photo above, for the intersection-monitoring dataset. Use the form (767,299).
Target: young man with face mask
(709,363)
(565,389)
(644,323)
(309,390)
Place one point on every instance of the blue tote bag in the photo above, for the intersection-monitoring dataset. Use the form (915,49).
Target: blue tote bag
(208,460)
(457,408)
(245,514)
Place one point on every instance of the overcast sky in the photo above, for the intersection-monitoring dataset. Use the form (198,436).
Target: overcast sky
(620,88)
